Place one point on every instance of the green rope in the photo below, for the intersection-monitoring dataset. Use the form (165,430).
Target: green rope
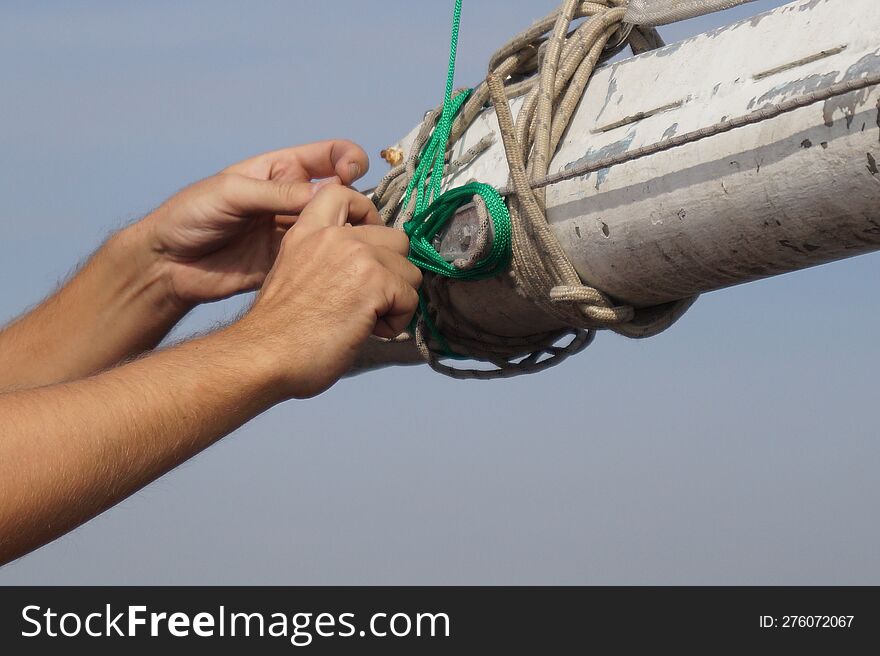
(434,210)
(425,226)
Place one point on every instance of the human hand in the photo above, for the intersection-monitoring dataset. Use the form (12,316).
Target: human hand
(333,285)
(219,237)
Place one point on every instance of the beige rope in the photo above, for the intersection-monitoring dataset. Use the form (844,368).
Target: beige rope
(663,12)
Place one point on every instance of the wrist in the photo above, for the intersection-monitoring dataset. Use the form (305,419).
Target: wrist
(143,270)
(259,361)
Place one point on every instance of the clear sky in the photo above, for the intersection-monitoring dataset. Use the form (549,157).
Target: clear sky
(740,447)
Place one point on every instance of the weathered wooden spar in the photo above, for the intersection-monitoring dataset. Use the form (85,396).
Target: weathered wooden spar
(785,194)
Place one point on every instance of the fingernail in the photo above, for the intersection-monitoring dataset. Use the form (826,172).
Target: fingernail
(355,171)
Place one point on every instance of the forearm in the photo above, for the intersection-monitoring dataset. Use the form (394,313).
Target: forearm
(70,451)
(118,305)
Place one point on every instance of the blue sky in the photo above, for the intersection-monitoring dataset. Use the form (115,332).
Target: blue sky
(740,447)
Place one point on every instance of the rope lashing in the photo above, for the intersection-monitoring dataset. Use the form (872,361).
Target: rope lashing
(425,226)
(663,12)
(433,210)
(562,64)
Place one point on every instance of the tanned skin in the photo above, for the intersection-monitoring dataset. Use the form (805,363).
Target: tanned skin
(90,412)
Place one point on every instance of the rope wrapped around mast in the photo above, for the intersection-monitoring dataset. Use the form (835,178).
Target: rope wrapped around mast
(663,12)
(551,64)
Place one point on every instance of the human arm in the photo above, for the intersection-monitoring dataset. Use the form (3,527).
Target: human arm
(214,239)
(69,451)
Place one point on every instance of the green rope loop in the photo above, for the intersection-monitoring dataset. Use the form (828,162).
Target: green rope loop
(425,226)
(434,210)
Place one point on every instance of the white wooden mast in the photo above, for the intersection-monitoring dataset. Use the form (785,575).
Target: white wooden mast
(793,192)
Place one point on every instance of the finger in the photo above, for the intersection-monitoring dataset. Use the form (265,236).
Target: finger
(320,184)
(400,306)
(373,218)
(341,157)
(399,265)
(248,196)
(290,219)
(393,240)
(335,205)
(324,159)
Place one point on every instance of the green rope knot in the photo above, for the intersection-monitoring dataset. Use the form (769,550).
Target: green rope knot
(425,226)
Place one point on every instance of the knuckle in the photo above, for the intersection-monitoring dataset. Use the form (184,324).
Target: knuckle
(286,192)
(327,236)
(225,184)
(290,193)
(372,268)
(401,240)
(343,236)
(332,192)
(288,241)
(412,300)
